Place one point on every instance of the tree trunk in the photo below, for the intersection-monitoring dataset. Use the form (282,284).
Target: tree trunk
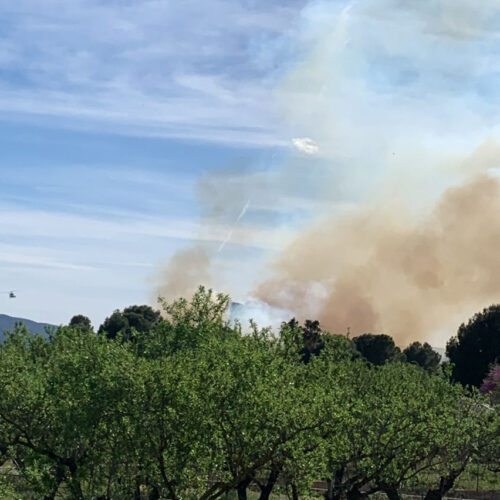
(168,484)
(242,492)
(445,484)
(74,484)
(266,489)
(355,494)
(242,489)
(391,492)
(329,490)
(295,492)
(60,474)
(334,490)
(155,494)
(137,490)
(439,493)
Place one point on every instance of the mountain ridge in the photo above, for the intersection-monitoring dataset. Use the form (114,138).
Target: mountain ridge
(7,323)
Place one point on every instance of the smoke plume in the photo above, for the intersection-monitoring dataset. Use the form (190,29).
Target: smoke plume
(391,91)
(385,216)
(385,270)
(184,272)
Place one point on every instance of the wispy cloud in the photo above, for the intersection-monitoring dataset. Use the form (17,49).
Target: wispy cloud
(186,69)
(16,222)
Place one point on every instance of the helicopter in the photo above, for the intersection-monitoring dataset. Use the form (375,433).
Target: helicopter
(11,294)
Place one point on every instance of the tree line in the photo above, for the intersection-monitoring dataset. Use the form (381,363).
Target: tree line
(184,404)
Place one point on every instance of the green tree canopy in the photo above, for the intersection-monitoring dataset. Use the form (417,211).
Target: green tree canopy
(132,319)
(476,347)
(81,321)
(423,355)
(377,349)
(309,337)
(194,408)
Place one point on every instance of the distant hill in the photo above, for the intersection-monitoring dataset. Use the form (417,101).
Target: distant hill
(8,322)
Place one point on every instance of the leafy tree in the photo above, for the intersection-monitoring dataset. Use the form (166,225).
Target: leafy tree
(401,423)
(61,402)
(193,408)
(312,338)
(309,337)
(81,321)
(223,410)
(125,324)
(423,355)
(476,347)
(322,383)
(377,349)
(467,432)
(489,449)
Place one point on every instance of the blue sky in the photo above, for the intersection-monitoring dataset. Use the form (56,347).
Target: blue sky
(130,130)
(111,111)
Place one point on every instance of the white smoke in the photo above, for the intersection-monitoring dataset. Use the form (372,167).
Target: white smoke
(264,315)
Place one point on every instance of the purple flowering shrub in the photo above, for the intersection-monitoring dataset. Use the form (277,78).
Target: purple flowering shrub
(491,384)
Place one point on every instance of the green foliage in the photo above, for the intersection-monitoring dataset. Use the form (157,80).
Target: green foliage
(307,338)
(59,404)
(422,355)
(377,349)
(81,321)
(125,324)
(194,408)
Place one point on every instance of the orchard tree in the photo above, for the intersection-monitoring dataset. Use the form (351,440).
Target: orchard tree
(60,404)
(401,422)
(476,347)
(268,413)
(324,383)
(225,410)
(489,449)
(465,438)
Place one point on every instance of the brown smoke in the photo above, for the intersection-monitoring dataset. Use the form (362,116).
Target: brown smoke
(184,272)
(189,267)
(225,195)
(364,91)
(383,270)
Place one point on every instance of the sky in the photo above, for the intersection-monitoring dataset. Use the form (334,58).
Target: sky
(110,111)
(132,130)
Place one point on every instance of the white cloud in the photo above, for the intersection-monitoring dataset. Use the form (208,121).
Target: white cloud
(306,145)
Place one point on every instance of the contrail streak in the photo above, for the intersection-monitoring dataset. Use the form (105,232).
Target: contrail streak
(230,233)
